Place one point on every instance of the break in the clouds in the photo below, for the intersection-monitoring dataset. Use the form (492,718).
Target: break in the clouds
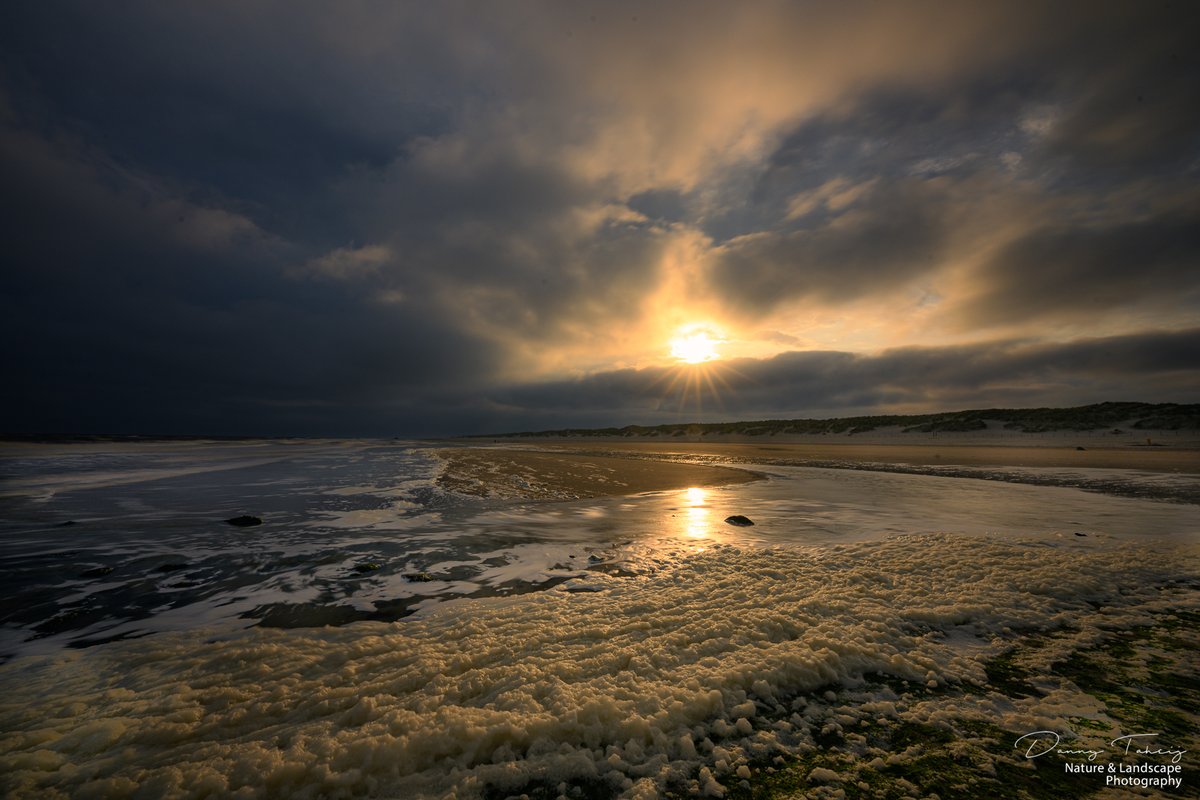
(286,218)
(906,379)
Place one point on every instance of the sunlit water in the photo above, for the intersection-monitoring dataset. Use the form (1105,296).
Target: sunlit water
(103,542)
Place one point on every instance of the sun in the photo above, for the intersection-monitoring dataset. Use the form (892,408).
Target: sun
(700,371)
(695,347)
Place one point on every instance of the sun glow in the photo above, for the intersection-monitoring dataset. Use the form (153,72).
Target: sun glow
(699,373)
(695,347)
(696,521)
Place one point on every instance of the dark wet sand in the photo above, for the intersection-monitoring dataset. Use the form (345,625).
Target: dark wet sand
(498,472)
(1151,459)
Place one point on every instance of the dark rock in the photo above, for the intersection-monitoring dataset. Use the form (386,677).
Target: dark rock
(369,566)
(1081,448)
(244,521)
(739,520)
(419,577)
(1077,533)
(67,524)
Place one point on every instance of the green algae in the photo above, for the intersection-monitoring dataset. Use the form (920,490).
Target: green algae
(1146,679)
(936,768)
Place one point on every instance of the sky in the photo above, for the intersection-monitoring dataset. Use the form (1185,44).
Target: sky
(420,219)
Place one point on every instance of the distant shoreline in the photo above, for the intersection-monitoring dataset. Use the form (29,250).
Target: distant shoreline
(922,453)
(1127,440)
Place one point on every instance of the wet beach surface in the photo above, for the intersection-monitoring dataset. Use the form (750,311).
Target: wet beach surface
(1169,472)
(119,542)
(412,622)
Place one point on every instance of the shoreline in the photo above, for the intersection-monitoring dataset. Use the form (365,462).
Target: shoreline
(931,453)
(1126,436)
(566,470)
(529,474)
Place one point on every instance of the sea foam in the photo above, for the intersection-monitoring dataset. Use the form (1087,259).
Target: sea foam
(729,656)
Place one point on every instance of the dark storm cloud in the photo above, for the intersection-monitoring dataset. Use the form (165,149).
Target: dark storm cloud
(1134,106)
(128,309)
(524,246)
(254,104)
(1066,271)
(391,127)
(667,205)
(1087,106)
(279,217)
(795,385)
(896,232)
(887,135)
(166,175)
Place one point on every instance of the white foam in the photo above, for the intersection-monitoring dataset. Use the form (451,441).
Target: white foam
(677,676)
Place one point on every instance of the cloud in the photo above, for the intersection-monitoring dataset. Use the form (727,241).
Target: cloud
(131,308)
(219,215)
(1063,271)
(1136,111)
(350,262)
(832,197)
(890,234)
(827,383)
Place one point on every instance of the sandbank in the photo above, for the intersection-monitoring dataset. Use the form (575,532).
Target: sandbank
(507,473)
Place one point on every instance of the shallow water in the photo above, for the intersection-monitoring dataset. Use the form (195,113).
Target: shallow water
(100,542)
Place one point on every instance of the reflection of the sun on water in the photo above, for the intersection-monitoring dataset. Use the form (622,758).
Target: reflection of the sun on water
(696,523)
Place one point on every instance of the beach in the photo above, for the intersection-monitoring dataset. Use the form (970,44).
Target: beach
(932,451)
(579,620)
(524,473)
(1130,467)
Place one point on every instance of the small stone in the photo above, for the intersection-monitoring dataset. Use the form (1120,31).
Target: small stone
(244,521)
(739,520)
(1079,533)
(369,566)
(419,577)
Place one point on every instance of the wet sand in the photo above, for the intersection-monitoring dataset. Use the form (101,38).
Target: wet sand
(497,472)
(573,468)
(931,453)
